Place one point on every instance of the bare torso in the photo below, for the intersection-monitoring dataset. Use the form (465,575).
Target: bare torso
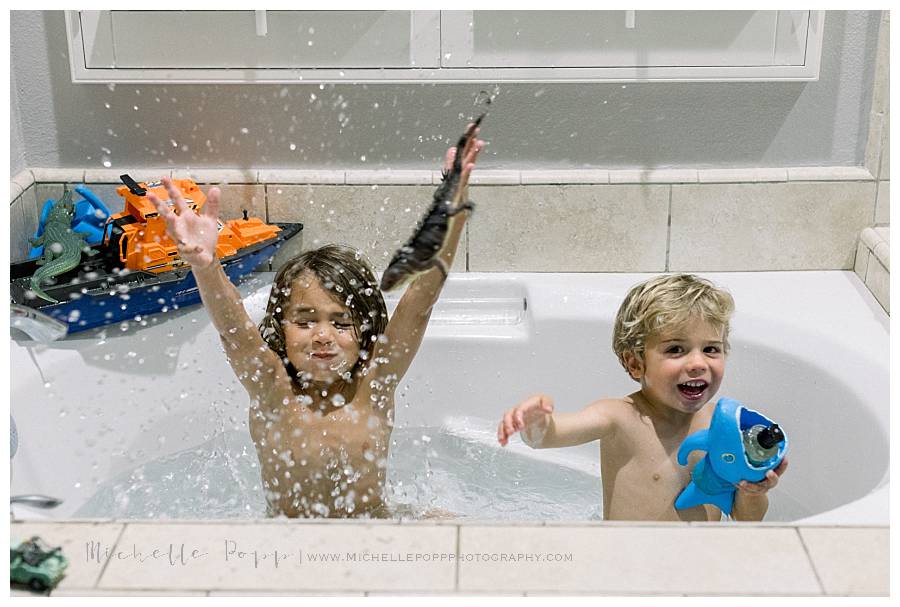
(327,462)
(639,467)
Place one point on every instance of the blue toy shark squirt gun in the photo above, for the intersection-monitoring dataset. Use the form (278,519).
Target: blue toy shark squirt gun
(740,444)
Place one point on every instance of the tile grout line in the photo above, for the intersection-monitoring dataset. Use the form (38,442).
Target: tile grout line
(456,571)
(669,229)
(467,248)
(810,561)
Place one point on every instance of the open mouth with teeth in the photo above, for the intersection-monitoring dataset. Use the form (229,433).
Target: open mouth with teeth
(693,389)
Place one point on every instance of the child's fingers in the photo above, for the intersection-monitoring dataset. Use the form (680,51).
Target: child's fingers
(449,158)
(161,207)
(175,196)
(519,419)
(781,467)
(467,170)
(502,437)
(746,487)
(165,212)
(507,424)
(471,146)
(473,151)
(211,208)
(755,488)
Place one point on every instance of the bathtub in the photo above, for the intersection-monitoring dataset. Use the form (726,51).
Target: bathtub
(809,349)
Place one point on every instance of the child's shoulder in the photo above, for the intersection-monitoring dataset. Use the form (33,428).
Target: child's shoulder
(612,408)
(612,403)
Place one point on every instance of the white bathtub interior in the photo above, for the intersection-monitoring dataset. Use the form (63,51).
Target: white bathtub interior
(149,421)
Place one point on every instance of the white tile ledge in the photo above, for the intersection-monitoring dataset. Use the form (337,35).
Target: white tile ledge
(480,177)
(58,175)
(24,179)
(15,190)
(19,183)
(824,551)
(877,240)
(860,173)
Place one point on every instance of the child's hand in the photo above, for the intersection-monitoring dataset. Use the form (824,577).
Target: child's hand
(470,155)
(195,235)
(763,486)
(531,416)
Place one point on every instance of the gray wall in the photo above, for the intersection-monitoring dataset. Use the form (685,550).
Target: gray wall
(16,145)
(553,126)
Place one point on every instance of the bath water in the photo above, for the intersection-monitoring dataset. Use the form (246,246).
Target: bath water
(429,469)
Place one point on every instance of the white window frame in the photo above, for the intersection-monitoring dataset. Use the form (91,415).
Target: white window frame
(88,32)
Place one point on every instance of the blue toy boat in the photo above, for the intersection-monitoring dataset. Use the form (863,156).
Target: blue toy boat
(105,287)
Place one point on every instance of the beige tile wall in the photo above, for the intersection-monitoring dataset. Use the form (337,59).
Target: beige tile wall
(878,147)
(768,226)
(574,228)
(707,225)
(376,219)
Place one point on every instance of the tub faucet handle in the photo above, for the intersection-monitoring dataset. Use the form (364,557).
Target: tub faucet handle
(35,501)
(35,324)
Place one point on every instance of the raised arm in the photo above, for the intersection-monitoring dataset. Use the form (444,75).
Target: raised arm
(404,332)
(541,428)
(196,236)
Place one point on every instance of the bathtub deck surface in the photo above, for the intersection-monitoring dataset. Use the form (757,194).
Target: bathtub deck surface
(281,557)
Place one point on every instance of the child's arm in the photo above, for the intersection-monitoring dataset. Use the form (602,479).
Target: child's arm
(542,429)
(196,237)
(405,331)
(751,501)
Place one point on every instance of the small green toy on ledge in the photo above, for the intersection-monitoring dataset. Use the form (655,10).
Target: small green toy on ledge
(36,564)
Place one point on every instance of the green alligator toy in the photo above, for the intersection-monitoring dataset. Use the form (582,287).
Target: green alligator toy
(62,246)
(36,564)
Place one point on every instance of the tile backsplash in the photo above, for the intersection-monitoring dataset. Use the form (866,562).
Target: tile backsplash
(593,221)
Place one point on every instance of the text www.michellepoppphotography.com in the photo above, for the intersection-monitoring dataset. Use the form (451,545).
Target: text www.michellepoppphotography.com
(180,555)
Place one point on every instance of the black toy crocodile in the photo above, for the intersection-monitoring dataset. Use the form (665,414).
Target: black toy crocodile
(421,252)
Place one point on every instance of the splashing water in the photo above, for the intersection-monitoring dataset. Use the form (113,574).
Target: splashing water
(487,97)
(430,469)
